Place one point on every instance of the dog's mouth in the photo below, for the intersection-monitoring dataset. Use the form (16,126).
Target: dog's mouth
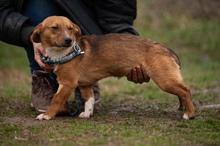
(64,45)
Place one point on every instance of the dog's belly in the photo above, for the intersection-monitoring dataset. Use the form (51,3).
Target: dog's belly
(92,76)
(86,80)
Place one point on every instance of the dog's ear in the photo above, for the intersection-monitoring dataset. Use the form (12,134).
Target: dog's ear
(78,32)
(36,33)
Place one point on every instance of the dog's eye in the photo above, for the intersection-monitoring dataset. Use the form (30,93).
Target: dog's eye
(70,28)
(55,27)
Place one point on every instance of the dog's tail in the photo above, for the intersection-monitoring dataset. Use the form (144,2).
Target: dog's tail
(174,55)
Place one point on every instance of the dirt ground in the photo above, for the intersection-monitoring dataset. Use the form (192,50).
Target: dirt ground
(22,113)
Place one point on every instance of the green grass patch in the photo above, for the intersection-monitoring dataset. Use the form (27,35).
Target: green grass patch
(13,57)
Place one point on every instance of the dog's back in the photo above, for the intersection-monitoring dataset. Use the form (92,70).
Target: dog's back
(120,53)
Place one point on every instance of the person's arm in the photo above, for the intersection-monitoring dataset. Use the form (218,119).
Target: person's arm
(116,16)
(14,28)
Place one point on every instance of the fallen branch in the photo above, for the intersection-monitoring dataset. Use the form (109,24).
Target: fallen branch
(210,106)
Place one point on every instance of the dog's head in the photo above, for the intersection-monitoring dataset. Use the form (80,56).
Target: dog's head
(56,31)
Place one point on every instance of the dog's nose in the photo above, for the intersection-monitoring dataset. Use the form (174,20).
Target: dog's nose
(68,41)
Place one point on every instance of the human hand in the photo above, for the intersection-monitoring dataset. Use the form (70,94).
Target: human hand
(38,52)
(137,76)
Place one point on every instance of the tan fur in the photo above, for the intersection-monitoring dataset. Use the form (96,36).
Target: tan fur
(107,55)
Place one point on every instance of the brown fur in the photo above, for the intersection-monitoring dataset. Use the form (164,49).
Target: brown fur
(108,55)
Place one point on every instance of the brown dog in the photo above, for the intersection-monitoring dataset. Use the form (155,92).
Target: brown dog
(107,55)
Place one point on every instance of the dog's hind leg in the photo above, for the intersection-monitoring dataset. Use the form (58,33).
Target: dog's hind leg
(181,105)
(169,79)
(183,92)
(89,100)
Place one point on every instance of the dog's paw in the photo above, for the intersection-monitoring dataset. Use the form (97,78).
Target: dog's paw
(186,116)
(43,117)
(85,114)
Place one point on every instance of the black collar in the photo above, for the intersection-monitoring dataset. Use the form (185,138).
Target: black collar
(76,52)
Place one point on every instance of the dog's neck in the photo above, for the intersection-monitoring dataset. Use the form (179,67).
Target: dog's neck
(59,52)
(60,55)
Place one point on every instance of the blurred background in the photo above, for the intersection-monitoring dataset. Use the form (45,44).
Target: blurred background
(131,114)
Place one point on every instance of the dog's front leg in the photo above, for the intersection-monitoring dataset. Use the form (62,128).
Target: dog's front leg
(89,100)
(58,101)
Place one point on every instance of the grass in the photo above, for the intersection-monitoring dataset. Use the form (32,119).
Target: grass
(130,114)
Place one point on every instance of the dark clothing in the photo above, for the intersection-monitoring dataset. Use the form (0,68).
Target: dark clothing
(93,17)
(14,28)
(38,10)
